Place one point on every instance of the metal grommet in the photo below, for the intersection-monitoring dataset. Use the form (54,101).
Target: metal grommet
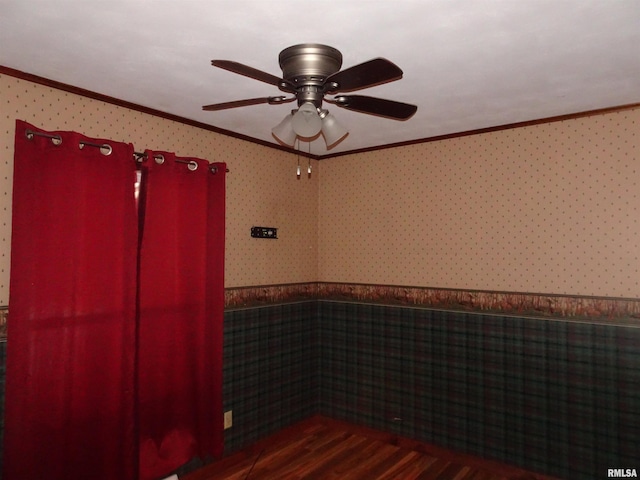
(193,165)
(106,149)
(159,159)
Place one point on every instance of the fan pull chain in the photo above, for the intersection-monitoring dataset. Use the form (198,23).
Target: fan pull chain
(298,155)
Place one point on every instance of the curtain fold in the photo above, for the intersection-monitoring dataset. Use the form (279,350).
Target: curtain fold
(114,353)
(180,317)
(69,400)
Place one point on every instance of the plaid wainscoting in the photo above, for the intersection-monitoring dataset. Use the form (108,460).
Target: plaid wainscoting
(3,370)
(557,397)
(271,363)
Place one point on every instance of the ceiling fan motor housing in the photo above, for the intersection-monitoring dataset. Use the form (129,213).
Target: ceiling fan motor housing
(307,66)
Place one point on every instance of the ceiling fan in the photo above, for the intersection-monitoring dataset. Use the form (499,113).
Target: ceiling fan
(309,72)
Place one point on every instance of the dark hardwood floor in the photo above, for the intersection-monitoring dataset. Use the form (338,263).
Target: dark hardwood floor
(322,448)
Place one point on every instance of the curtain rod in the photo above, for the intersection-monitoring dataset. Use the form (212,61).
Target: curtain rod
(138,156)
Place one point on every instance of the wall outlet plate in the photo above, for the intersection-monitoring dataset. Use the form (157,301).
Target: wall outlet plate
(228,419)
(264,232)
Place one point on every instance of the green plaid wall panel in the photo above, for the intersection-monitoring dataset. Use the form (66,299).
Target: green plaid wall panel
(270,363)
(552,396)
(558,397)
(3,358)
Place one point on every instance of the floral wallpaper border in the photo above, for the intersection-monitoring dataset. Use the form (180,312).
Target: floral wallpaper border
(593,309)
(4,313)
(601,309)
(241,297)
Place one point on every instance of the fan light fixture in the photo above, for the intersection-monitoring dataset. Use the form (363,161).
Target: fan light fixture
(307,122)
(310,72)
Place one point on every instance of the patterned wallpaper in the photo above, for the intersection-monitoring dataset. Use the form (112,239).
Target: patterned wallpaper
(262,188)
(549,208)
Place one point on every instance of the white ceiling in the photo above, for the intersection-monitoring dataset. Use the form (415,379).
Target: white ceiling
(468,64)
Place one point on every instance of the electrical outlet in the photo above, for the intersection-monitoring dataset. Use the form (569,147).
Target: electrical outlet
(264,232)
(228,419)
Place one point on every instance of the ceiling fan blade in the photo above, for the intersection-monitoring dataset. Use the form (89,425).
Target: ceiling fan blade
(247,102)
(367,74)
(376,106)
(254,73)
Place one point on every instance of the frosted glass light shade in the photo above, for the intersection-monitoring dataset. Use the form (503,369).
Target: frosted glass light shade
(283,132)
(306,122)
(333,131)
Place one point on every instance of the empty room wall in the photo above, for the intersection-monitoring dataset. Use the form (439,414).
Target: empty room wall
(551,208)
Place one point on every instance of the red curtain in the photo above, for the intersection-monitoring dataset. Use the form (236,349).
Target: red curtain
(114,354)
(181,306)
(69,404)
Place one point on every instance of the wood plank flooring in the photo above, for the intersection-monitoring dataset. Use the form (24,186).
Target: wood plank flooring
(322,449)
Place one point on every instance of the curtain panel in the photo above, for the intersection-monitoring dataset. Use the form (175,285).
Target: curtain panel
(69,401)
(114,353)
(180,337)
